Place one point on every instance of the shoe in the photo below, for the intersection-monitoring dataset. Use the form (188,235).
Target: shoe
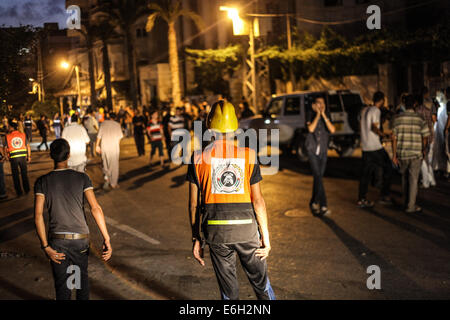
(386,201)
(416,209)
(315,208)
(325,212)
(115,187)
(106,186)
(422,186)
(3,197)
(364,203)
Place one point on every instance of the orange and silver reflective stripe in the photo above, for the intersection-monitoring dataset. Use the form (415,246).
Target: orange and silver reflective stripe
(228,222)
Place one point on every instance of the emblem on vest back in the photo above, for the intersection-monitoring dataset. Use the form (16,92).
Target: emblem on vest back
(17,143)
(227,176)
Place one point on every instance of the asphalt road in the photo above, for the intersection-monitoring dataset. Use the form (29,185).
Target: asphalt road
(311,258)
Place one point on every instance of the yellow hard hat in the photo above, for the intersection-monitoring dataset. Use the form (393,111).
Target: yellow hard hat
(222,117)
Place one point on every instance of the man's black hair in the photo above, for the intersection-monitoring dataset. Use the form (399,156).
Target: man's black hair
(447,91)
(378,96)
(13,125)
(60,150)
(409,101)
(112,115)
(74,118)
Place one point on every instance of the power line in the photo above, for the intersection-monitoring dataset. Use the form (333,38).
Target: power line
(299,18)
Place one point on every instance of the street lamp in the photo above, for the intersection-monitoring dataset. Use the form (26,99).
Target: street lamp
(246,27)
(66,65)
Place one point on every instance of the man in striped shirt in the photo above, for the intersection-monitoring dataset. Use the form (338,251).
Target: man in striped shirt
(155,132)
(409,144)
(176,123)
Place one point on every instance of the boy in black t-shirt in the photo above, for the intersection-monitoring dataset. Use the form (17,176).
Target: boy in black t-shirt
(63,192)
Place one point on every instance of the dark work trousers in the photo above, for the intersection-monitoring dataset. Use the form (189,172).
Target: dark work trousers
(318,165)
(77,253)
(140,143)
(44,141)
(373,161)
(223,257)
(92,141)
(2,181)
(29,134)
(21,163)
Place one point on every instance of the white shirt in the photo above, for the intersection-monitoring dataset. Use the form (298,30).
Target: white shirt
(110,133)
(77,137)
(370,141)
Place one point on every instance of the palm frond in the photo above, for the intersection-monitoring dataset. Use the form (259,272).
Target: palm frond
(198,21)
(151,21)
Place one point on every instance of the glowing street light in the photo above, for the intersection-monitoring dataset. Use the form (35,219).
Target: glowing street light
(66,65)
(238,23)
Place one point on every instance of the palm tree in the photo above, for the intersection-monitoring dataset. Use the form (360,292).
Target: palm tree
(170,12)
(103,29)
(125,13)
(87,32)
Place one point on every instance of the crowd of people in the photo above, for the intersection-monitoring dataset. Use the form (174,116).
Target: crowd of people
(96,131)
(418,132)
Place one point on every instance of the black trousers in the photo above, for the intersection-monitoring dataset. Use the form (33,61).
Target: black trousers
(375,162)
(44,141)
(140,143)
(223,257)
(16,164)
(29,134)
(318,165)
(72,273)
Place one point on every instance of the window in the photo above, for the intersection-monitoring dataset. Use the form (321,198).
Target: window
(292,107)
(334,103)
(275,107)
(332,3)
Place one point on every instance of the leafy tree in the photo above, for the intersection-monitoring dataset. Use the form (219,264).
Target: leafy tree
(212,66)
(48,108)
(16,54)
(170,12)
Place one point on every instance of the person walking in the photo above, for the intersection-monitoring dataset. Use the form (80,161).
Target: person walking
(78,138)
(176,124)
(19,154)
(409,146)
(63,191)
(374,155)
(108,145)
(227,180)
(139,126)
(57,125)
(43,130)
(91,126)
(320,128)
(428,111)
(28,125)
(3,194)
(155,132)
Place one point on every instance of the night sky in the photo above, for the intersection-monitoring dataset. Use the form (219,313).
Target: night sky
(34,12)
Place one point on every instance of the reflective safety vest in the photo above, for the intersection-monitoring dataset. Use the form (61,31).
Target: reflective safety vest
(16,142)
(28,123)
(223,171)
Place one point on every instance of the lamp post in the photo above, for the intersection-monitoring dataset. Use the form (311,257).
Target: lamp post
(65,65)
(241,27)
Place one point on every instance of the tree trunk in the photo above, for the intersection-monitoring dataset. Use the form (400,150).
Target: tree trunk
(107,73)
(91,71)
(173,62)
(131,68)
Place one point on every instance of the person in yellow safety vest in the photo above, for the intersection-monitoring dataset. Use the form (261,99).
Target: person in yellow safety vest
(19,153)
(225,200)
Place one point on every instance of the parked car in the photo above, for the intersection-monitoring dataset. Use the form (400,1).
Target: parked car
(286,112)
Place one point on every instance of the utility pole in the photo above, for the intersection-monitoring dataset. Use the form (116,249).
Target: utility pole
(40,72)
(289,44)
